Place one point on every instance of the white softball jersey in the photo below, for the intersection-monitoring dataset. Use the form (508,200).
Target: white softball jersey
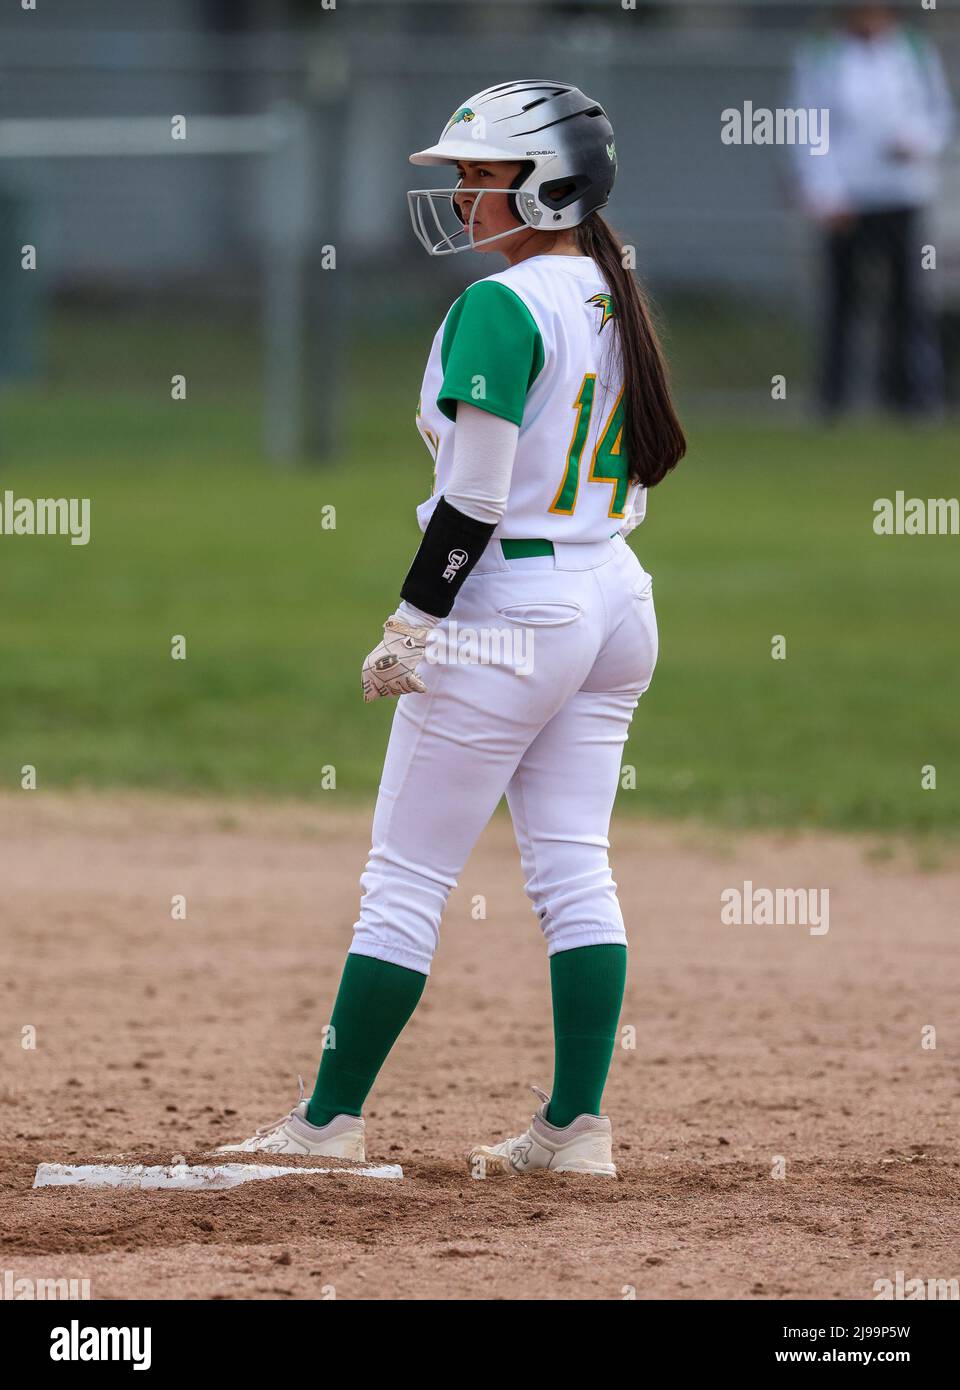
(535,344)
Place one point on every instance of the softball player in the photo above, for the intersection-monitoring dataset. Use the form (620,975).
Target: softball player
(546,410)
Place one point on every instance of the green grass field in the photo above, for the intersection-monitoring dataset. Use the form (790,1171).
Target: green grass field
(761,531)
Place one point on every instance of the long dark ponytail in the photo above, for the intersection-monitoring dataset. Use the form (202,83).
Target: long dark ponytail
(653,438)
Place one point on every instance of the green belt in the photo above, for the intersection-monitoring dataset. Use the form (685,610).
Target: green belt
(519,550)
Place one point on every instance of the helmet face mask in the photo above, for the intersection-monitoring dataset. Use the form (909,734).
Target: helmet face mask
(427,204)
(562,139)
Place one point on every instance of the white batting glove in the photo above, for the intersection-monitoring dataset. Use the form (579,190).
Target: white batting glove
(391,668)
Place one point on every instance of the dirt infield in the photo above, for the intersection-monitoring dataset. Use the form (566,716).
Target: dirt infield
(157,1037)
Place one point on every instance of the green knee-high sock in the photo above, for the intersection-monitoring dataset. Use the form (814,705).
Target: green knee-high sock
(587,985)
(374,1002)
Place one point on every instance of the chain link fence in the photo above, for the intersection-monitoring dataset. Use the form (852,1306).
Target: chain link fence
(284,267)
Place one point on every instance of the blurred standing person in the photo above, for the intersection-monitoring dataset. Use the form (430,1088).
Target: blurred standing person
(890,118)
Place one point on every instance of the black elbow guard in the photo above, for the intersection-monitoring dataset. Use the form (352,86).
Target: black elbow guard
(451,546)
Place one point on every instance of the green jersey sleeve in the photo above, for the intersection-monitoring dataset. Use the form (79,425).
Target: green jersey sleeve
(491,352)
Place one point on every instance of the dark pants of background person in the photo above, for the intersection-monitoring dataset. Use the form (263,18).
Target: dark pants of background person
(911,367)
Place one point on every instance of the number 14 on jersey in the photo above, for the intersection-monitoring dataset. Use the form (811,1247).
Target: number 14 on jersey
(607,465)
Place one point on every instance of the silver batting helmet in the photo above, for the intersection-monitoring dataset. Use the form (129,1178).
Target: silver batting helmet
(563,138)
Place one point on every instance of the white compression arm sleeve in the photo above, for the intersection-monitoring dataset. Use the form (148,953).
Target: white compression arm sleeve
(484,448)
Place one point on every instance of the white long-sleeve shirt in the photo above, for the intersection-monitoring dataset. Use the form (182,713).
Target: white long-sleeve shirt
(484,449)
(882,92)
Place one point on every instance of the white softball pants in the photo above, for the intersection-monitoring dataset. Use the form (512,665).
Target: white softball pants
(545,724)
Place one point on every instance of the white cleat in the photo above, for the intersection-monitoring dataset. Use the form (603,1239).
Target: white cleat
(341,1138)
(585,1145)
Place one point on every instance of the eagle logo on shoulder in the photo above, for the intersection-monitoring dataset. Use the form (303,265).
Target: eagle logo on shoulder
(605,303)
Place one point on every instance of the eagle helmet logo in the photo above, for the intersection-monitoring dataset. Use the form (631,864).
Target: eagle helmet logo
(462,114)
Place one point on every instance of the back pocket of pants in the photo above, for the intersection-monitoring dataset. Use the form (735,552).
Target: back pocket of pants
(541,614)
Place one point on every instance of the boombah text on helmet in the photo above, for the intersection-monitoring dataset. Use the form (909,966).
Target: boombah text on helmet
(563,138)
